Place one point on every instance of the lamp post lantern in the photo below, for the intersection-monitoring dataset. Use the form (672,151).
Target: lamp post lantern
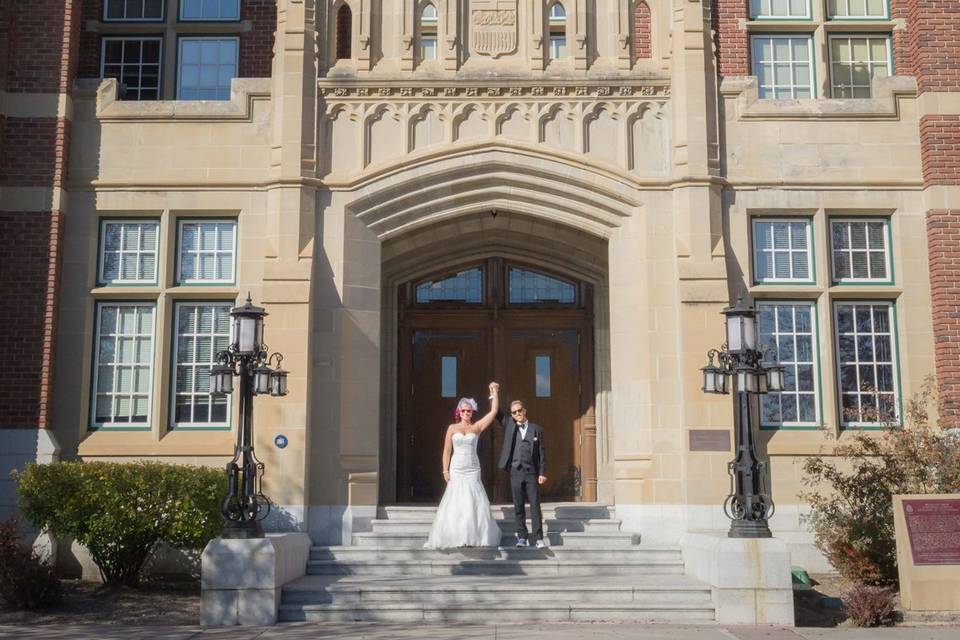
(246,357)
(740,361)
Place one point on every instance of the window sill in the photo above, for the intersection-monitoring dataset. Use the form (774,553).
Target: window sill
(743,92)
(243,93)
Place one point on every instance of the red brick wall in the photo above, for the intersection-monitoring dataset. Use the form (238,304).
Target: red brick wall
(732,44)
(256,46)
(943,242)
(902,60)
(642,31)
(934,40)
(940,149)
(29,158)
(28,283)
(89,58)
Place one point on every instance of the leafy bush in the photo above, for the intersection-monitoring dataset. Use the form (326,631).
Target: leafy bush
(870,606)
(119,512)
(25,581)
(850,493)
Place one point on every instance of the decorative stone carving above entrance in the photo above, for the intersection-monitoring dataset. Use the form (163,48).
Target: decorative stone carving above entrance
(493,27)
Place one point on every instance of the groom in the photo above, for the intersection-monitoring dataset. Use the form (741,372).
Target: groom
(523,456)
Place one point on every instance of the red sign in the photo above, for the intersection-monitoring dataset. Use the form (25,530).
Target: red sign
(933,527)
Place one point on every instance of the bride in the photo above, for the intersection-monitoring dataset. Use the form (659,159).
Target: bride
(463,518)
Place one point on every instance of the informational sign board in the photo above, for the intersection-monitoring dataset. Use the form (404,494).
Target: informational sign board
(928,551)
(933,528)
(709,440)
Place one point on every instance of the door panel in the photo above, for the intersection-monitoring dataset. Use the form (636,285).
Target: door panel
(543,370)
(444,366)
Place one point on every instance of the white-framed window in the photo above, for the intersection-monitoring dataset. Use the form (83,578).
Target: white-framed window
(867,376)
(782,250)
(429,21)
(783,65)
(788,335)
(201,330)
(135,63)
(557,27)
(209,10)
(133,10)
(860,250)
(207,251)
(855,61)
(123,365)
(785,9)
(128,251)
(205,68)
(857,9)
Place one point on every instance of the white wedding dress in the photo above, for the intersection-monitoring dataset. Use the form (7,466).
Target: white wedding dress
(463,518)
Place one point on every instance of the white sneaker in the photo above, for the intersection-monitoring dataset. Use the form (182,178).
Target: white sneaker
(541,544)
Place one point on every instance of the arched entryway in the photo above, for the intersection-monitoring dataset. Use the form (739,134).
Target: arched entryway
(501,319)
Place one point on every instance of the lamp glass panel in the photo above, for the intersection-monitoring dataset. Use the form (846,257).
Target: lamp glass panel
(750,332)
(261,380)
(247,334)
(734,333)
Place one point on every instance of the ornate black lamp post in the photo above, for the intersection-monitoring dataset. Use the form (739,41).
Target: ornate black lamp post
(245,505)
(740,360)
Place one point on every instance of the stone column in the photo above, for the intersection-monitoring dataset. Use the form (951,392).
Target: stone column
(288,248)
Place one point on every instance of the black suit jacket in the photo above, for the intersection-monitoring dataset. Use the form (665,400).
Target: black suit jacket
(534,431)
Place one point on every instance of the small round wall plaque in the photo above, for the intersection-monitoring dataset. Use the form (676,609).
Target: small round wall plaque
(280,441)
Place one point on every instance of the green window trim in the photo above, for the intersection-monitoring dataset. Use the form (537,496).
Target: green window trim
(96,365)
(179,281)
(810,251)
(863,425)
(175,363)
(101,248)
(756,14)
(828,17)
(888,240)
(818,422)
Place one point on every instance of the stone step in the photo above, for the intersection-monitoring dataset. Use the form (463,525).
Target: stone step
(635,553)
(466,590)
(506,525)
(573,538)
(543,567)
(479,614)
(551,510)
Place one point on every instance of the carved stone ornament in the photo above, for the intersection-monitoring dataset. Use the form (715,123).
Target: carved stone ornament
(493,27)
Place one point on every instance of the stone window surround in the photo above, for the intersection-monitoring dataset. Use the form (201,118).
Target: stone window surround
(819,27)
(163,296)
(824,293)
(170,29)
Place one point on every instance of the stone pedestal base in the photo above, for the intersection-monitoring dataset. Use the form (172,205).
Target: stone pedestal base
(750,577)
(241,580)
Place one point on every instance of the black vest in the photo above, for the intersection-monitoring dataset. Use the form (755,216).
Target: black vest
(522,458)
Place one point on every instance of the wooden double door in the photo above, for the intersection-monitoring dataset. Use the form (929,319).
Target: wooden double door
(539,352)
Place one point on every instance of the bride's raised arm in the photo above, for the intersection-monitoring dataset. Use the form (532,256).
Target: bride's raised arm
(488,419)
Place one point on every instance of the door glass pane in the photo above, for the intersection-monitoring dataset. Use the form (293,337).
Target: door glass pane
(543,376)
(448,376)
(465,286)
(529,287)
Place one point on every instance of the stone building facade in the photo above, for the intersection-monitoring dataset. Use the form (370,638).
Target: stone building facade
(426,195)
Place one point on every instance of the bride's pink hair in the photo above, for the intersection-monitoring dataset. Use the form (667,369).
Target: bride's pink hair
(462,403)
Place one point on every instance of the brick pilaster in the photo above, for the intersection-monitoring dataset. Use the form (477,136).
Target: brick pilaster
(731,41)
(933,55)
(38,58)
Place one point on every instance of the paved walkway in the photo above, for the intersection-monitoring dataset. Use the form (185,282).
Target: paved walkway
(366,631)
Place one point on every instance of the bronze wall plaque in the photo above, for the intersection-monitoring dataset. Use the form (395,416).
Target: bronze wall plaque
(933,528)
(709,440)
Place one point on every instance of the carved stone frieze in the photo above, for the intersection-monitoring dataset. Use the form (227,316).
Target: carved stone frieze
(462,90)
(493,27)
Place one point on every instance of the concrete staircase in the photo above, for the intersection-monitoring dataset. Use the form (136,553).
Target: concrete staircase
(591,571)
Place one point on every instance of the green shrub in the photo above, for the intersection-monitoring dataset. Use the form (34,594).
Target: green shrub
(850,493)
(119,512)
(25,581)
